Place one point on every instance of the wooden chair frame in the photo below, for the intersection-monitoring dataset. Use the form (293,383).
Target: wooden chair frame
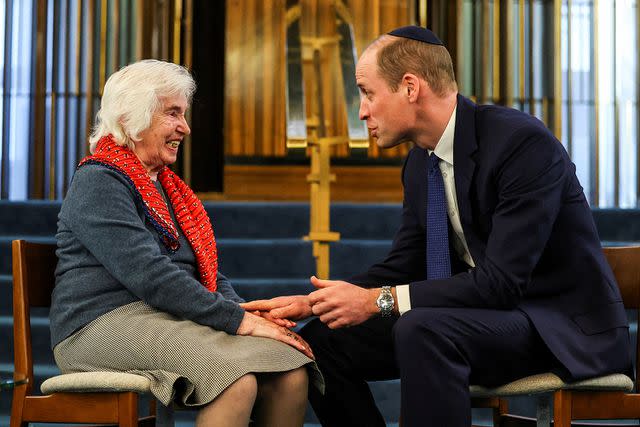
(581,405)
(33,281)
(570,404)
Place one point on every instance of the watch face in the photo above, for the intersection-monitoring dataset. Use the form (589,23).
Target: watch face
(386,303)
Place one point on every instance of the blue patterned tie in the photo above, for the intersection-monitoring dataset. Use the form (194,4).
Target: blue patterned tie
(438,261)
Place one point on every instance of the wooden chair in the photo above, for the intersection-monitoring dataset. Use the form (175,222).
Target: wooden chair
(607,397)
(88,397)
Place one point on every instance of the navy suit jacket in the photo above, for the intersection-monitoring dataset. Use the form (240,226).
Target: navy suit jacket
(530,232)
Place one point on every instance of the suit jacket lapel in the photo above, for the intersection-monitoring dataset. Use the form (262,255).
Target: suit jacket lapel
(422,188)
(464,145)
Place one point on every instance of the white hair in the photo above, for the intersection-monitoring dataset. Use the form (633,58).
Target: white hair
(133,94)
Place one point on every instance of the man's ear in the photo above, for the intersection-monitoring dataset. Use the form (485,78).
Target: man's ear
(411,86)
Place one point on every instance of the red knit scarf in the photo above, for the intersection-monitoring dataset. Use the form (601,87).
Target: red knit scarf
(189,212)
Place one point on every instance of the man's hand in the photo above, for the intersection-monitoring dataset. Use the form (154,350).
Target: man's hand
(340,304)
(294,307)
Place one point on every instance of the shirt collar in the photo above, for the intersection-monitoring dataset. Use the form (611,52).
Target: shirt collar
(444,148)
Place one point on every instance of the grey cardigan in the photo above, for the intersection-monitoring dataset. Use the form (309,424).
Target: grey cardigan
(109,255)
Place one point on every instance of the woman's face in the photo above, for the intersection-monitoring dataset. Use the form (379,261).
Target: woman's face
(159,143)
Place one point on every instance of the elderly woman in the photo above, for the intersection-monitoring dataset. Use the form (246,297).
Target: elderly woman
(138,287)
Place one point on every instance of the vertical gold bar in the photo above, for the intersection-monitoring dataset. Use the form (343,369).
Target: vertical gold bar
(249,118)
(532,97)
(484,94)
(596,105)
(139,5)
(521,38)
(436,23)
(376,17)
(637,103)
(187,41)
(90,33)
(422,13)
(54,95)
(616,116)
(67,96)
(496,52)
(177,22)
(506,60)
(103,45)
(187,49)
(459,43)
(557,69)
(164,31)
(116,32)
(569,136)
(7,9)
(38,171)
(80,58)
(265,90)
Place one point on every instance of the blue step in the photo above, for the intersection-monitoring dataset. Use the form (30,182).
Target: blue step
(263,253)
(231,219)
(257,258)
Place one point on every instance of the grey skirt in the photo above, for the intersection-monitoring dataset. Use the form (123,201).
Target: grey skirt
(187,363)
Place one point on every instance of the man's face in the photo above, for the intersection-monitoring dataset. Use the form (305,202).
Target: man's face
(385,112)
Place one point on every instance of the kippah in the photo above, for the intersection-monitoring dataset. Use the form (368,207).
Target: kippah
(416,33)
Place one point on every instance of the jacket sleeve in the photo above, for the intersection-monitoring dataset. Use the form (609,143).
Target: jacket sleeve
(101,212)
(226,289)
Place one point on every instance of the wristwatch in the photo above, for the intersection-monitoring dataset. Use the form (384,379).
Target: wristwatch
(385,301)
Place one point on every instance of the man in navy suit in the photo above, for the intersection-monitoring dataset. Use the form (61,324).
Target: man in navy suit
(520,286)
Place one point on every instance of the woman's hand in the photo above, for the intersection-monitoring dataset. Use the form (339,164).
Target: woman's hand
(281,322)
(257,326)
(295,307)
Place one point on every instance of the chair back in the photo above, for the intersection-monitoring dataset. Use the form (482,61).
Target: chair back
(33,281)
(625,263)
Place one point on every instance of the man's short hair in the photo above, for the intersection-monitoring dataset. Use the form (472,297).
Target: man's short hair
(398,55)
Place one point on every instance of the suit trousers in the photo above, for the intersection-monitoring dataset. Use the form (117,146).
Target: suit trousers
(436,352)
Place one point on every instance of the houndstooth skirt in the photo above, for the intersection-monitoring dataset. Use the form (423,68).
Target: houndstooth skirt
(187,363)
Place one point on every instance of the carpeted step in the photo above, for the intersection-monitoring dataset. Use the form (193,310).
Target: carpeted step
(353,256)
(238,257)
(366,220)
(259,258)
(6,295)
(252,289)
(244,258)
(618,225)
(247,288)
(33,217)
(259,220)
(40,338)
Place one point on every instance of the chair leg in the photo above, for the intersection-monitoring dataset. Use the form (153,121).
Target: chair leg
(128,409)
(562,408)
(543,411)
(499,411)
(17,405)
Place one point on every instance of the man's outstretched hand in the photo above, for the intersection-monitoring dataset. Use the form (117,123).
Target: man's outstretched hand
(337,303)
(294,307)
(340,304)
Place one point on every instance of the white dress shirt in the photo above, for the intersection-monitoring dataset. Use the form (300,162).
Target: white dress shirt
(444,150)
